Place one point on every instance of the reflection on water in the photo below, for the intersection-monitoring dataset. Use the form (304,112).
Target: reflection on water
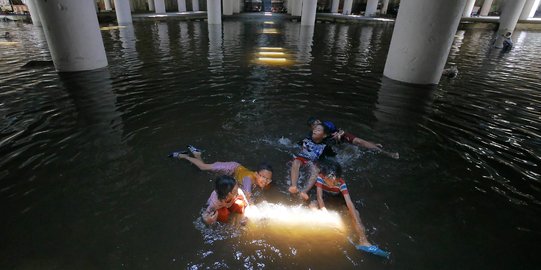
(285,216)
(85,174)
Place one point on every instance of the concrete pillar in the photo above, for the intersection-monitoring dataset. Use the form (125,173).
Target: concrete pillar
(181,5)
(151,5)
(422,39)
(468,8)
(227,7)
(195,5)
(107,4)
(309,8)
(289,6)
(346,10)
(508,19)
(34,14)
(529,9)
(73,34)
(123,12)
(334,6)
(297,8)
(485,9)
(384,6)
(160,6)
(371,8)
(236,6)
(214,12)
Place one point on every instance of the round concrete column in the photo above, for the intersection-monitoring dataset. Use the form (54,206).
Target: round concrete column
(346,10)
(73,34)
(123,12)
(384,6)
(181,5)
(508,19)
(227,7)
(236,6)
(334,7)
(468,8)
(34,14)
(160,6)
(151,5)
(371,8)
(195,5)
(422,39)
(309,8)
(289,6)
(214,11)
(107,4)
(485,9)
(297,8)
(529,9)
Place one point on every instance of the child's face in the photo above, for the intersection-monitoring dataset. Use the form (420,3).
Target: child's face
(318,133)
(263,178)
(330,178)
(234,192)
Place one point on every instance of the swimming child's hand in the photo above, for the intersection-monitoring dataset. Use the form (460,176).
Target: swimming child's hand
(304,196)
(244,221)
(293,189)
(210,217)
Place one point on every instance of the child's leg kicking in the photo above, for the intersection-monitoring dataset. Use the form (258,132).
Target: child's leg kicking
(295,168)
(363,241)
(311,181)
(197,161)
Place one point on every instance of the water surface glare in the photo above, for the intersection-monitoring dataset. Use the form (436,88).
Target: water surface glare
(85,182)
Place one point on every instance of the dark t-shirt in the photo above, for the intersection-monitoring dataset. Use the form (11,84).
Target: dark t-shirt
(314,151)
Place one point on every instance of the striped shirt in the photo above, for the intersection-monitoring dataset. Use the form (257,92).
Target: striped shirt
(338,187)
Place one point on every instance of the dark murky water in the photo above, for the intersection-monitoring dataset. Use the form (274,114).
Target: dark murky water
(85,182)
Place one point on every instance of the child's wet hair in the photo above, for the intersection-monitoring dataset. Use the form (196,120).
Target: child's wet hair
(224,185)
(264,166)
(311,120)
(328,166)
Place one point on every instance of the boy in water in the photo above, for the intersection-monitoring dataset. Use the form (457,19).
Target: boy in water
(329,181)
(507,42)
(247,179)
(226,198)
(339,135)
(313,148)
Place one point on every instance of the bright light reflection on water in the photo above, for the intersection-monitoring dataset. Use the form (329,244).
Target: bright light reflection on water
(298,216)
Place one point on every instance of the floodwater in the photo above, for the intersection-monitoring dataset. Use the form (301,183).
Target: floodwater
(85,182)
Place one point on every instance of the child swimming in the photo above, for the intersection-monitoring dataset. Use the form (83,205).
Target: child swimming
(246,178)
(339,136)
(313,148)
(329,181)
(226,198)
